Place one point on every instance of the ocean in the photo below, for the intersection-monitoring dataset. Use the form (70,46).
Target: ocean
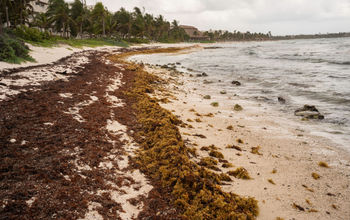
(314,72)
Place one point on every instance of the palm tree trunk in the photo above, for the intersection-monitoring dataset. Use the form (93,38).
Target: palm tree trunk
(103,27)
(64,29)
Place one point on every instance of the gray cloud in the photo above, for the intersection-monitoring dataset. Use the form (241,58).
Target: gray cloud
(279,16)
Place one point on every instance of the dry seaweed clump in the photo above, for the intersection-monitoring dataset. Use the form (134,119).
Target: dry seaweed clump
(255,150)
(315,176)
(214,104)
(217,154)
(230,127)
(209,162)
(165,158)
(323,164)
(237,107)
(240,173)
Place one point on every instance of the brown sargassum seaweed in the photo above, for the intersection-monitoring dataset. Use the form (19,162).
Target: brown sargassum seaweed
(164,157)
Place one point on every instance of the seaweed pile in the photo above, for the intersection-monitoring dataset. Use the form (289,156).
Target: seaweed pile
(193,189)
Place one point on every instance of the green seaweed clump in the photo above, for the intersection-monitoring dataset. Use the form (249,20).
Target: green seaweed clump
(239,173)
(164,158)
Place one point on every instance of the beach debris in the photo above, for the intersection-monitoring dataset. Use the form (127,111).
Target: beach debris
(209,115)
(271,181)
(234,147)
(236,83)
(207,81)
(205,148)
(198,120)
(214,104)
(237,107)
(239,173)
(239,141)
(225,177)
(202,74)
(309,112)
(323,164)
(307,188)
(281,100)
(223,92)
(217,154)
(255,150)
(298,207)
(330,194)
(230,127)
(199,135)
(207,97)
(315,176)
(227,165)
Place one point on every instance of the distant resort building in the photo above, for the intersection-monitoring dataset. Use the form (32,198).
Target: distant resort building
(194,33)
(40,6)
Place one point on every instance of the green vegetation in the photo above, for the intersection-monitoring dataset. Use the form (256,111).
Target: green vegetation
(13,50)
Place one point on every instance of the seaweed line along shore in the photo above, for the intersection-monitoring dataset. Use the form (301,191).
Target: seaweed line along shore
(96,136)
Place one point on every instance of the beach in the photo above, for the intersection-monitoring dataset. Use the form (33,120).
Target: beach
(81,126)
(287,155)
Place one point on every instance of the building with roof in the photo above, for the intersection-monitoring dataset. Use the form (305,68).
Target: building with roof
(194,33)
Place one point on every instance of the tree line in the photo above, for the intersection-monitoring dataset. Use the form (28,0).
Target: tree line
(76,19)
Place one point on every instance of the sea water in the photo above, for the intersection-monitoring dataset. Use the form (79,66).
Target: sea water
(314,72)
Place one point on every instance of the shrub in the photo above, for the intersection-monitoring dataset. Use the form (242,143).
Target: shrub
(31,34)
(13,50)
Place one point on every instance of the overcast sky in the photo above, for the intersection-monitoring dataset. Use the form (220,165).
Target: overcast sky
(278,16)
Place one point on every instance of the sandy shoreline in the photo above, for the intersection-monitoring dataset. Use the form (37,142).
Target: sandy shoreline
(284,147)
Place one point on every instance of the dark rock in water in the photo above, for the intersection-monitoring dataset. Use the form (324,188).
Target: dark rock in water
(178,63)
(309,112)
(281,100)
(202,74)
(310,108)
(236,83)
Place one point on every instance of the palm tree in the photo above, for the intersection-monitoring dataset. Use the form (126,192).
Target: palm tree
(42,21)
(99,13)
(58,12)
